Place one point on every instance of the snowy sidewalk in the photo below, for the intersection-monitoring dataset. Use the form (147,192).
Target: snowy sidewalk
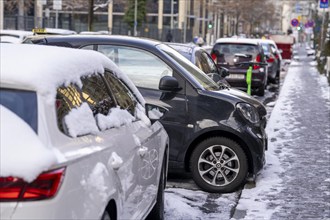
(295,183)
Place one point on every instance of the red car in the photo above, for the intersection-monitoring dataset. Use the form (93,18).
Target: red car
(284,43)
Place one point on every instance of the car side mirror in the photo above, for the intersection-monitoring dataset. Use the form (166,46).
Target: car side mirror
(223,72)
(155,112)
(216,77)
(169,83)
(280,50)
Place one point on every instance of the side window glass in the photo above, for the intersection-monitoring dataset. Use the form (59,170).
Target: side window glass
(198,61)
(74,117)
(103,102)
(125,98)
(206,64)
(110,51)
(89,47)
(211,64)
(96,94)
(142,67)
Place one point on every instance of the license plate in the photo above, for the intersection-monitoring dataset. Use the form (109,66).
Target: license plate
(236,76)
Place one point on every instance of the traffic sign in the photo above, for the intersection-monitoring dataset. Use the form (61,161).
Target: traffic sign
(294,22)
(57,4)
(324,3)
(310,23)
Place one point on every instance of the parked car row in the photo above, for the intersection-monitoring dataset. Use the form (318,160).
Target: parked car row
(238,54)
(116,124)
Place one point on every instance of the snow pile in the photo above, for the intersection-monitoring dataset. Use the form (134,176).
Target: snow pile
(155,114)
(80,121)
(115,118)
(22,154)
(96,184)
(182,204)
(115,161)
(140,113)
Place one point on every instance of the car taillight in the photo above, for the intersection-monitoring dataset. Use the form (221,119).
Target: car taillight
(270,60)
(258,60)
(214,57)
(44,187)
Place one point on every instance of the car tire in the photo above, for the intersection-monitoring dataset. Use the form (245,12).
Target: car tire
(278,77)
(106,216)
(157,211)
(273,80)
(261,91)
(210,170)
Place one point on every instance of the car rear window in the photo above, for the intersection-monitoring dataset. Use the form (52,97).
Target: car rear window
(226,52)
(266,48)
(22,103)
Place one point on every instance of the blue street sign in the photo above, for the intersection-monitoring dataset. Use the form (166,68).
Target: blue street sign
(294,22)
(324,3)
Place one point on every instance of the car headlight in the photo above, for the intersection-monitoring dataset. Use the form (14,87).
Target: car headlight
(249,112)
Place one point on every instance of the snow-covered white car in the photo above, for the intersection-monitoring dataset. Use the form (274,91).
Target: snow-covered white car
(76,139)
(13,36)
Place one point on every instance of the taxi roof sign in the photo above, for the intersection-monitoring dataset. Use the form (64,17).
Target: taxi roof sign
(39,30)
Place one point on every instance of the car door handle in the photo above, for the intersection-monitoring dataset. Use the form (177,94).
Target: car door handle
(142,151)
(115,161)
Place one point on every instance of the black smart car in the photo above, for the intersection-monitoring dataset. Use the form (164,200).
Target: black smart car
(216,133)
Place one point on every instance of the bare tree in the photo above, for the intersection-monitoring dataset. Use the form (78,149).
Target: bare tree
(249,11)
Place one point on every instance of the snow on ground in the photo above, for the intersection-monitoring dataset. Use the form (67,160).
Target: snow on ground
(189,204)
(257,203)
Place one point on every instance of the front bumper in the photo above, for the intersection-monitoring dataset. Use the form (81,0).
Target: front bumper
(257,140)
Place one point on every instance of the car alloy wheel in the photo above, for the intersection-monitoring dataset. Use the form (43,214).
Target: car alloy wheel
(219,165)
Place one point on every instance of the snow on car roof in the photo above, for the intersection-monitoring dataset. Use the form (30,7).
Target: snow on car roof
(44,68)
(9,39)
(237,40)
(15,33)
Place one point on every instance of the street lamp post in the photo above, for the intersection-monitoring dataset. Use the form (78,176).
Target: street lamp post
(185,23)
(135,17)
(172,8)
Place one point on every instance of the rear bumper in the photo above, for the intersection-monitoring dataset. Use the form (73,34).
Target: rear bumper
(259,79)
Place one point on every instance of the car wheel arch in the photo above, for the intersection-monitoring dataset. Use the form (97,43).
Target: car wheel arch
(111,209)
(218,133)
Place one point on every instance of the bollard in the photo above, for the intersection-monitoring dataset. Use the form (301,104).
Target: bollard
(249,79)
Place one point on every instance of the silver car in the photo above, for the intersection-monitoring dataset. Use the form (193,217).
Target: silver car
(77,139)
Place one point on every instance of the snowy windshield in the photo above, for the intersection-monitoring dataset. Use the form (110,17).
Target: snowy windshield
(22,103)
